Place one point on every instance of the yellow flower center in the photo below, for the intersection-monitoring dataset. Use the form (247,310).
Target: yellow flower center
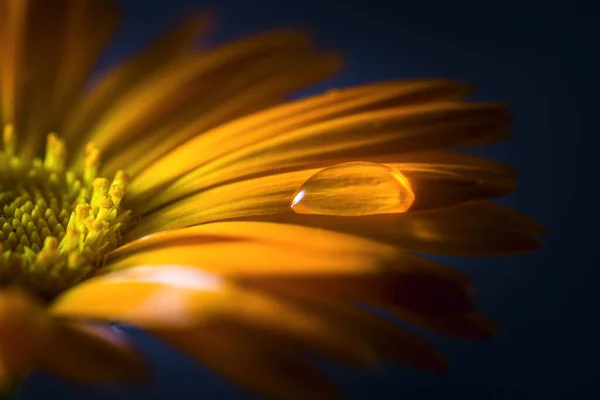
(56,224)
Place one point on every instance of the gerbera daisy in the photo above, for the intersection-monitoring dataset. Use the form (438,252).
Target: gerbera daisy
(179,195)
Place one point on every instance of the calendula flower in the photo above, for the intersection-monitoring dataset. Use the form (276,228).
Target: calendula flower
(179,195)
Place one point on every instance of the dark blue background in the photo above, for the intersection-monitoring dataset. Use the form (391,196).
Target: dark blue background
(536,55)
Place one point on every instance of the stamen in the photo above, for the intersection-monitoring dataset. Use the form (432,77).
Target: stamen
(55,224)
(100,190)
(92,162)
(116,192)
(9,140)
(56,154)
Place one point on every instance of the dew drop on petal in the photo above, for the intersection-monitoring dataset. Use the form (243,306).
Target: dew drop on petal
(352,189)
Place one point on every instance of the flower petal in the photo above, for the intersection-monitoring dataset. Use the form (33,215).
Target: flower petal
(169,295)
(261,83)
(88,27)
(48,51)
(339,267)
(424,298)
(486,229)
(308,249)
(23,329)
(12,35)
(393,130)
(90,354)
(264,368)
(292,116)
(180,85)
(29,336)
(123,77)
(337,331)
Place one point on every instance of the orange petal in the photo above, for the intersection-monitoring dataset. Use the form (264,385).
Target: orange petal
(234,249)
(43,71)
(24,326)
(260,367)
(13,14)
(291,116)
(179,85)
(262,82)
(486,229)
(171,295)
(441,185)
(29,337)
(469,229)
(89,354)
(123,77)
(89,25)
(317,265)
(391,130)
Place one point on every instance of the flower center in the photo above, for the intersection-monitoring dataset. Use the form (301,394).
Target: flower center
(56,224)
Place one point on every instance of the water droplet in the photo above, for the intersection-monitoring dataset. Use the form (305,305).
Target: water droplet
(354,188)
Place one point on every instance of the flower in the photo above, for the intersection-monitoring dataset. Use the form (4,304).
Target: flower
(179,194)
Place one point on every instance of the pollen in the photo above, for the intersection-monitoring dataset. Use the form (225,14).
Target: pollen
(56,224)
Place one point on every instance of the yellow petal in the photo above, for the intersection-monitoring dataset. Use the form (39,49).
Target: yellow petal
(450,160)
(12,24)
(53,53)
(29,337)
(334,330)
(232,258)
(262,82)
(169,295)
(442,185)
(24,326)
(257,233)
(320,266)
(89,354)
(393,130)
(291,116)
(179,85)
(123,77)
(272,194)
(89,24)
(119,296)
(262,368)
(486,229)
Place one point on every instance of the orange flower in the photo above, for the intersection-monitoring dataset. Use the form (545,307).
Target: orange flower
(246,232)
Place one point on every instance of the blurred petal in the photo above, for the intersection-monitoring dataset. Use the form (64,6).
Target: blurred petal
(90,354)
(89,24)
(179,86)
(169,295)
(123,77)
(422,297)
(439,185)
(291,116)
(24,326)
(261,83)
(267,318)
(11,47)
(320,266)
(261,367)
(48,50)
(29,337)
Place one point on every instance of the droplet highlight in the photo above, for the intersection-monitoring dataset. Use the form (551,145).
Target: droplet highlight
(354,189)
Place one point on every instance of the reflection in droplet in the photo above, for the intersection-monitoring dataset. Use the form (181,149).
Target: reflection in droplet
(352,189)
